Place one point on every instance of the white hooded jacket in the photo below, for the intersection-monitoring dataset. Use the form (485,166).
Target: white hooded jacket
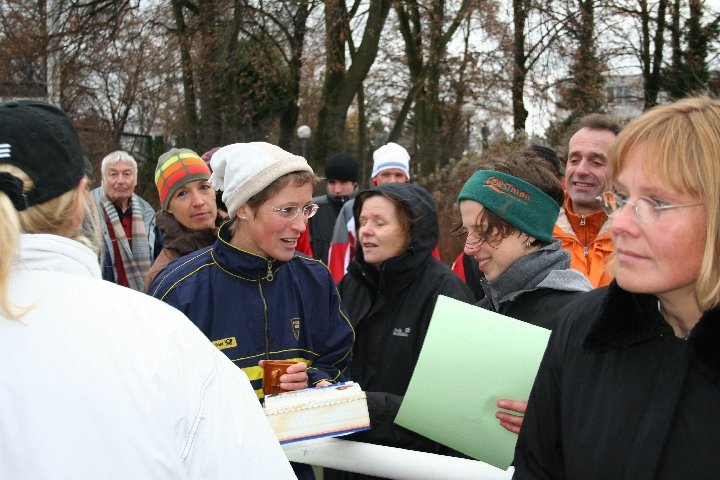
(100,381)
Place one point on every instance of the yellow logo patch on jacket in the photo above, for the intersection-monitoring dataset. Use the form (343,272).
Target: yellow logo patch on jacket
(224,343)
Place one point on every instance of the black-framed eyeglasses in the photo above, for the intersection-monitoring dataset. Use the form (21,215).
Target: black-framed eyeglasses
(646,209)
(291,213)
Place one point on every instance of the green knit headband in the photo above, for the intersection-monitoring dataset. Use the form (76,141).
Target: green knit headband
(521,204)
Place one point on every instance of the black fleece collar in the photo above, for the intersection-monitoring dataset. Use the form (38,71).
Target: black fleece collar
(626,318)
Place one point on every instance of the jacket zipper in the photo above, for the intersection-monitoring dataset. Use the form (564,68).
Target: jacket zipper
(265,316)
(269,277)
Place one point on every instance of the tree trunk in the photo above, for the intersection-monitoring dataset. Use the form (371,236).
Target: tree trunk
(290,112)
(653,80)
(434,142)
(340,85)
(585,92)
(213,66)
(520,113)
(190,119)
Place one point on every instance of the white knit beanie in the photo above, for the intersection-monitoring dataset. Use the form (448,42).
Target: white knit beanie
(390,156)
(242,170)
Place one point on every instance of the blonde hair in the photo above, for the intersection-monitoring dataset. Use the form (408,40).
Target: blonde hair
(682,146)
(56,216)
(9,235)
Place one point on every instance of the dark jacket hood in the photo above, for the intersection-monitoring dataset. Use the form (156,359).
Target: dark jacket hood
(423,232)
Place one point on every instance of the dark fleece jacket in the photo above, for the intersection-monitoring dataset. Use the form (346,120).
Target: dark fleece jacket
(391,307)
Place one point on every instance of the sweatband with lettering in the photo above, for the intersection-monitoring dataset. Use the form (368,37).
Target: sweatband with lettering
(519,203)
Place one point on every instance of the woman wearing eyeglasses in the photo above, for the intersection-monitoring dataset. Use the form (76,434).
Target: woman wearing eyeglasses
(251,293)
(508,211)
(630,382)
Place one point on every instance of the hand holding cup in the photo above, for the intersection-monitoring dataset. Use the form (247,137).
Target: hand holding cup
(283,375)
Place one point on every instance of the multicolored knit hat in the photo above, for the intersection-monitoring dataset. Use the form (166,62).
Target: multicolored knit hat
(207,156)
(176,168)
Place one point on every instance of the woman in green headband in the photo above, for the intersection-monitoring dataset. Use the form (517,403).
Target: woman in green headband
(508,212)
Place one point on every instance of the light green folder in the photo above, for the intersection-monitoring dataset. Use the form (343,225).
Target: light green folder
(471,358)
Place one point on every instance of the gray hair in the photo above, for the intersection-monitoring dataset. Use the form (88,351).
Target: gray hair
(118,156)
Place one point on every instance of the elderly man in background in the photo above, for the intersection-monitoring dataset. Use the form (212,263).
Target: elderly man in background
(127,222)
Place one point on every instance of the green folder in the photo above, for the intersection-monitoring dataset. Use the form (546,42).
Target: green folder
(471,358)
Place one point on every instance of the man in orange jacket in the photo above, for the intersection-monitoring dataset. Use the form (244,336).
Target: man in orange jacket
(583,227)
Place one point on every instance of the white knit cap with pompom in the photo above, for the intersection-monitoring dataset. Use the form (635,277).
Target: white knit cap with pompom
(242,170)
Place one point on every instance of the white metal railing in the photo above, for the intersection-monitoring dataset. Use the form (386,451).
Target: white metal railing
(390,462)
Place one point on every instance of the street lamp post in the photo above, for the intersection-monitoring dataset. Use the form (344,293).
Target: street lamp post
(303,133)
(377,140)
(485,132)
(467,111)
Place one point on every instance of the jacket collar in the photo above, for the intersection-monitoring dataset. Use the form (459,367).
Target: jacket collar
(44,251)
(342,199)
(240,263)
(627,318)
(595,223)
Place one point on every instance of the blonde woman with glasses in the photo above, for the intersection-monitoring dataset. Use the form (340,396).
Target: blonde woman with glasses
(630,381)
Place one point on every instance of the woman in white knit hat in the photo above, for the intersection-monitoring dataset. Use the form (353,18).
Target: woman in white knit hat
(251,293)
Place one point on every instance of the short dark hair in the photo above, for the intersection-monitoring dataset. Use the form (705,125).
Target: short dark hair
(550,156)
(592,121)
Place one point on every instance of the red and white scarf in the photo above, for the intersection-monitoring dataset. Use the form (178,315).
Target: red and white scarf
(137,259)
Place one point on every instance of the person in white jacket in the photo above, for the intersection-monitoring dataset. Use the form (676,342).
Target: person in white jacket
(100,381)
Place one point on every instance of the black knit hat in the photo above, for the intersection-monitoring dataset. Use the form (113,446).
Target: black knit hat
(40,140)
(341,167)
(550,156)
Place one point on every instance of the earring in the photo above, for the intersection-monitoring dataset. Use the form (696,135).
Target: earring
(528,244)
